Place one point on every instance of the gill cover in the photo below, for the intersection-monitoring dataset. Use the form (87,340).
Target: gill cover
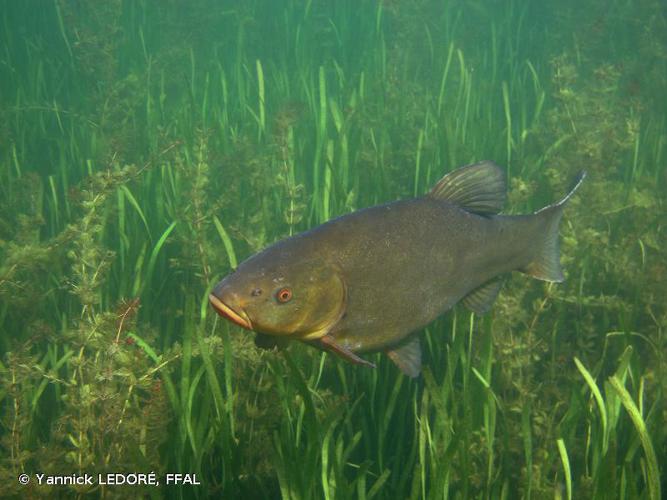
(318,300)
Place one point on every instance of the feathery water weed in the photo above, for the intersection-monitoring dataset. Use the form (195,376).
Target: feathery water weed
(269,118)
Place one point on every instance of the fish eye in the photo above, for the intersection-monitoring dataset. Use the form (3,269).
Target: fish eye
(284,295)
(256,292)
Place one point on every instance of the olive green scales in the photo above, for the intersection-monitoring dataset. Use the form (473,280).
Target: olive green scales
(366,281)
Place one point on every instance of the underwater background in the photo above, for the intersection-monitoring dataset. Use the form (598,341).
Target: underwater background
(146,147)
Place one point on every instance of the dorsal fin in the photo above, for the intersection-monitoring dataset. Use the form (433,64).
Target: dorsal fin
(407,356)
(480,188)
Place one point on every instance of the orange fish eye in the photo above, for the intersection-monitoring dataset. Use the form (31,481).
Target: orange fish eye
(284,295)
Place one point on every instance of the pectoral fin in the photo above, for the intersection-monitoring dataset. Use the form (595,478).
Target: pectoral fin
(481,299)
(408,357)
(328,343)
(270,342)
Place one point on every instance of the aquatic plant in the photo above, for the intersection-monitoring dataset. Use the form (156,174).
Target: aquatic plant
(136,171)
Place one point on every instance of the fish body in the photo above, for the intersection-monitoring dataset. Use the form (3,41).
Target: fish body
(367,281)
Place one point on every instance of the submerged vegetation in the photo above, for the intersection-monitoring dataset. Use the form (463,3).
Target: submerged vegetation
(147,147)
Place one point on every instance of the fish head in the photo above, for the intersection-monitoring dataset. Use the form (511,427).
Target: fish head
(276,295)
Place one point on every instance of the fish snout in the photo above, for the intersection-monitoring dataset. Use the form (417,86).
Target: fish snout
(229,305)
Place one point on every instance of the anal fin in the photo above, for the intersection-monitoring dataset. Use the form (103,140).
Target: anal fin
(407,356)
(481,298)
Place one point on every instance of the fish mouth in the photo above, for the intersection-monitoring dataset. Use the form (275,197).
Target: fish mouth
(240,318)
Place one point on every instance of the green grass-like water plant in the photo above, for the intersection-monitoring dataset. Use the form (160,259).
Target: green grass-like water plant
(146,148)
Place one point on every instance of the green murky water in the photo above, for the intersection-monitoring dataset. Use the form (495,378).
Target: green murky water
(147,147)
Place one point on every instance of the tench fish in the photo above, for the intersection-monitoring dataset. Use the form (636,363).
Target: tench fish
(370,280)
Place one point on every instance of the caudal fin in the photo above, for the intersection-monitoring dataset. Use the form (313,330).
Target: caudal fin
(546,264)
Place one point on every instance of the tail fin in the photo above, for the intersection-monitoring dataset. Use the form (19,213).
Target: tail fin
(546,264)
